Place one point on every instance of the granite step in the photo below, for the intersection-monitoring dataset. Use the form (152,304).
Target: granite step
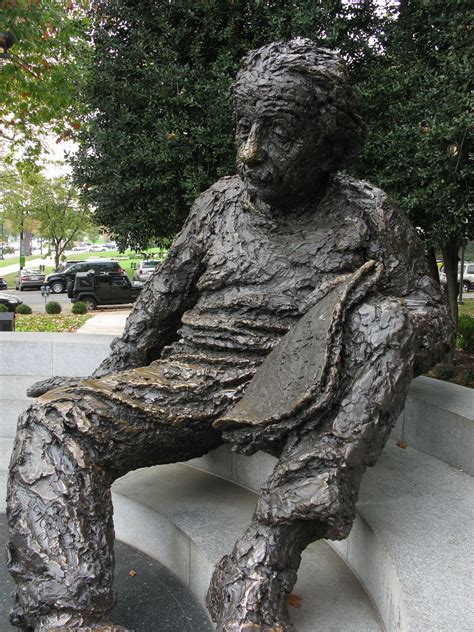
(188,519)
(411,543)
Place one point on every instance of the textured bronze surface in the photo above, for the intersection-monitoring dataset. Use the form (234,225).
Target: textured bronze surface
(290,315)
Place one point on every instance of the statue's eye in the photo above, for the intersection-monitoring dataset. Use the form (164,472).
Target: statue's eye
(281,132)
(243,126)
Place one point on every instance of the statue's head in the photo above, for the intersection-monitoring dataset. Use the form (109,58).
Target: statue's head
(297,121)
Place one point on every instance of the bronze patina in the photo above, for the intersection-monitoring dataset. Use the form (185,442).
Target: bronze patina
(289,316)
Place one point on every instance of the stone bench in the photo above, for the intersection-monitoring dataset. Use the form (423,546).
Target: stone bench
(410,547)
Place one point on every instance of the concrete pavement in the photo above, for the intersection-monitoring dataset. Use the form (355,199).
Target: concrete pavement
(107,322)
(34,263)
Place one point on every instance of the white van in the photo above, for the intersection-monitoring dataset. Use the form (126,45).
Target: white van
(468,276)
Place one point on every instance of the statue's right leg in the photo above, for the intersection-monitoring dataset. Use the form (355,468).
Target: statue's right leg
(69,449)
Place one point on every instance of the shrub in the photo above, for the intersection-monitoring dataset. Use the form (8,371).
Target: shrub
(444,372)
(3,308)
(53,308)
(79,308)
(23,309)
(465,339)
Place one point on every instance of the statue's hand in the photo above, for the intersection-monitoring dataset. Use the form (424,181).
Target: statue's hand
(38,388)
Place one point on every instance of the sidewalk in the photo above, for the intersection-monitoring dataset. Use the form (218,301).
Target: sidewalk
(107,322)
(34,263)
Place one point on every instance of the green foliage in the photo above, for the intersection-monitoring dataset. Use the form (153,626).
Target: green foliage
(445,372)
(79,308)
(59,216)
(47,207)
(417,103)
(4,308)
(39,83)
(465,340)
(53,308)
(160,129)
(23,309)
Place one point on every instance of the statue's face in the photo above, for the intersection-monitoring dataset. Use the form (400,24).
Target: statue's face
(281,152)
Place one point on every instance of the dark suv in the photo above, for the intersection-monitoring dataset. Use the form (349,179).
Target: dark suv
(58,281)
(102,289)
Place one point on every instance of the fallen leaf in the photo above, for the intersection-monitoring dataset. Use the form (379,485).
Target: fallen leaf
(402,445)
(294,601)
(132,573)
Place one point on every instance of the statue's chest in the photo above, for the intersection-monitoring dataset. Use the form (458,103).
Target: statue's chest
(251,250)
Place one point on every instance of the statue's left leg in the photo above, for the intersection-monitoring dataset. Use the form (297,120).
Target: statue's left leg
(312,491)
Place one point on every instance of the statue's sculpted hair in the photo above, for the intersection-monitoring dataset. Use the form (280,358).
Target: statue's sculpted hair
(325,75)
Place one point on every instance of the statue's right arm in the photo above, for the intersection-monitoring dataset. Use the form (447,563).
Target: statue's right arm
(171,290)
(156,316)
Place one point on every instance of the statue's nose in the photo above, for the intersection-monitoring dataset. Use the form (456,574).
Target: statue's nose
(249,150)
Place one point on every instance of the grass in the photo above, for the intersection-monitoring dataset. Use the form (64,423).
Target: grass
(467,308)
(11,260)
(48,323)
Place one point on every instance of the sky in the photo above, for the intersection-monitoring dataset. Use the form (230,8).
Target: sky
(54,164)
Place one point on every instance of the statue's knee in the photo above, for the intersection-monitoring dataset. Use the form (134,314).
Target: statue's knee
(326,498)
(44,431)
(40,420)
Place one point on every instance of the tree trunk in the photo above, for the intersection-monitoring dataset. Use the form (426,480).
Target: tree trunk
(450,257)
(432,265)
(57,255)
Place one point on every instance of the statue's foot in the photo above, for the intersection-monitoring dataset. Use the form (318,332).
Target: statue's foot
(99,627)
(247,599)
(69,622)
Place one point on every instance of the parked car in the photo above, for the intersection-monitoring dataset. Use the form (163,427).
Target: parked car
(145,269)
(3,284)
(29,277)
(102,289)
(67,264)
(58,281)
(11,301)
(80,248)
(468,276)
(97,249)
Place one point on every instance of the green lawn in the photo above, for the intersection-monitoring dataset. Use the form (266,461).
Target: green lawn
(12,260)
(467,308)
(46,322)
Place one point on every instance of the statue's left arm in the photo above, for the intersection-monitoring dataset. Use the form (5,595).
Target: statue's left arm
(406,276)
(378,327)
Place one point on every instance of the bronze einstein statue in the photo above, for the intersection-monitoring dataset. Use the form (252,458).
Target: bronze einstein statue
(289,316)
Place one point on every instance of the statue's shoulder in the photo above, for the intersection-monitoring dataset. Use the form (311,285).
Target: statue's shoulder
(372,203)
(214,199)
(208,210)
(358,191)
(224,189)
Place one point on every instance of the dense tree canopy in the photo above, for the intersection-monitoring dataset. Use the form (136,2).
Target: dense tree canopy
(160,127)
(418,104)
(40,77)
